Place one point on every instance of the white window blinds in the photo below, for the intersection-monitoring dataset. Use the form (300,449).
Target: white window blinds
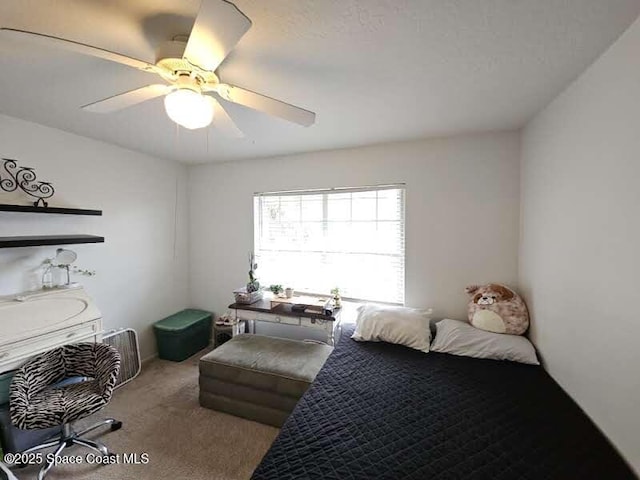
(314,241)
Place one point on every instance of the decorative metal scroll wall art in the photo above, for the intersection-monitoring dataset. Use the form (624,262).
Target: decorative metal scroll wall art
(13,177)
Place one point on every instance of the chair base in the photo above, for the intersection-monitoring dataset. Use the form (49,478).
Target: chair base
(70,437)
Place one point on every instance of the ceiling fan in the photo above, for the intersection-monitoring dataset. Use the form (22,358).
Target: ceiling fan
(187,65)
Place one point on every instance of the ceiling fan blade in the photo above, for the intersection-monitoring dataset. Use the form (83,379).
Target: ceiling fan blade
(223,122)
(70,45)
(127,99)
(266,104)
(218,28)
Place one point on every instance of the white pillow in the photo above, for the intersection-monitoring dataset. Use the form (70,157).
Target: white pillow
(401,325)
(460,338)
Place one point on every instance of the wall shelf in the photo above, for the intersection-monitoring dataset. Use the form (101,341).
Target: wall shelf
(40,240)
(51,210)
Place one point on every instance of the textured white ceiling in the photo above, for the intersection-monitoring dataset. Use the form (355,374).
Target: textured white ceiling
(373,70)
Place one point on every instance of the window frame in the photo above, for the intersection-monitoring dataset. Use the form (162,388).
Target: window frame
(325,192)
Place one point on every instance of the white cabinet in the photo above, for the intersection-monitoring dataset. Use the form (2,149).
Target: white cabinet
(35,322)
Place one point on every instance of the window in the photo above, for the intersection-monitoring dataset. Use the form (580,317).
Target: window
(351,238)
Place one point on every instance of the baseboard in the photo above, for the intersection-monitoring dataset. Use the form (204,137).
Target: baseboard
(148,359)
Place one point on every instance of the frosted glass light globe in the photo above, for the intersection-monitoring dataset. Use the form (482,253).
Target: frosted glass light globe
(189,109)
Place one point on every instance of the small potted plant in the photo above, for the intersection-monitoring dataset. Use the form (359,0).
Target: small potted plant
(337,300)
(276,289)
(253,285)
(251,293)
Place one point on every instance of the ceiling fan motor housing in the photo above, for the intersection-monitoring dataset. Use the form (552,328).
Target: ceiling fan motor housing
(169,56)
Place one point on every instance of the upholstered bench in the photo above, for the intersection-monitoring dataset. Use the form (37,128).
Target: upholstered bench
(260,378)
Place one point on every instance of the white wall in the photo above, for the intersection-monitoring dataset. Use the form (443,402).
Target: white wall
(462,210)
(580,257)
(142,267)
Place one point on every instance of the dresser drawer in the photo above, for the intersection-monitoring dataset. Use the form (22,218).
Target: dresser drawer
(246,315)
(18,351)
(267,317)
(273,318)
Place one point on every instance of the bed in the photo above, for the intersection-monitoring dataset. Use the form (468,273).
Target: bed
(381,411)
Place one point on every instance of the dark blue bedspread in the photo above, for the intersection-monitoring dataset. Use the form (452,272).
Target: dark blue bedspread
(380,411)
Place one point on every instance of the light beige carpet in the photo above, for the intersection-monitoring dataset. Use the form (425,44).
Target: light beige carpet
(161,417)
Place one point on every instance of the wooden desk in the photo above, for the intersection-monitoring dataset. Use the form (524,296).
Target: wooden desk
(262,312)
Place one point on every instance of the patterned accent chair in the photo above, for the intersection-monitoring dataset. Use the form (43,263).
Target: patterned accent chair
(41,395)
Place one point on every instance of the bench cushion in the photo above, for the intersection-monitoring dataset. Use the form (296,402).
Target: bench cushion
(272,364)
(259,373)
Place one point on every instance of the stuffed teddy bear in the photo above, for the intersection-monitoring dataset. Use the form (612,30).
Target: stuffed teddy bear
(498,309)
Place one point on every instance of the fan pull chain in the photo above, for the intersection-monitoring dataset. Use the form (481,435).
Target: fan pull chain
(176,144)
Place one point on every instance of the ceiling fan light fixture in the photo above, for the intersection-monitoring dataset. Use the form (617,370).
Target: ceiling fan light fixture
(189,109)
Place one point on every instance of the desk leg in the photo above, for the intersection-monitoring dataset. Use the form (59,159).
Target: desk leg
(331,335)
(334,334)
(253,326)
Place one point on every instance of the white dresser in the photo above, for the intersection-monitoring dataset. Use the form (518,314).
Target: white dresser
(35,322)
